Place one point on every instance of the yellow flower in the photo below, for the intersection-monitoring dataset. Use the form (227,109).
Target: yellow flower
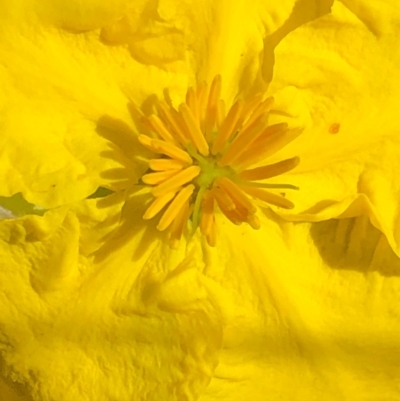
(95,303)
(56,125)
(206,153)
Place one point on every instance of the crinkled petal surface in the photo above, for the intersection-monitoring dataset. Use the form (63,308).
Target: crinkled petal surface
(339,77)
(297,311)
(115,322)
(311,313)
(68,73)
(96,306)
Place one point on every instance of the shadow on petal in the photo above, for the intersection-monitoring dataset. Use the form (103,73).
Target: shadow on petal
(303,12)
(120,134)
(125,149)
(132,228)
(320,206)
(11,390)
(354,244)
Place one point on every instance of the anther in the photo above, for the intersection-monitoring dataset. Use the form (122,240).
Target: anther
(207,153)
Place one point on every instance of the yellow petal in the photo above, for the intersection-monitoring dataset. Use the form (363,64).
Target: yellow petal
(347,98)
(221,35)
(102,303)
(310,316)
(74,15)
(65,89)
(340,98)
(312,307)
(63,96)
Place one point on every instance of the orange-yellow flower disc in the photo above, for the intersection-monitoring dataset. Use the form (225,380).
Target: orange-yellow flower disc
(206,159)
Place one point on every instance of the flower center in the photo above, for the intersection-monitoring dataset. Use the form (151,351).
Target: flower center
(210,170)
(205,161)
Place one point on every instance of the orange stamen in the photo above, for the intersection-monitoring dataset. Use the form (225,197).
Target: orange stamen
(254,222)
(207,154)
(212,235)
(157,205)
(262,109)
(165,148)
(159,128)
(275,136)
(231,214)
(191,101)
(221,112)
(269,171)
(166,164)
(178,225)
(202,93)
(223,199)
(157,178)
(235,193)
(211,114)
(243,141)
(227,128)
(173,122)
(175,207)
(194,131)
(207,213)
(249,106)
(177,180)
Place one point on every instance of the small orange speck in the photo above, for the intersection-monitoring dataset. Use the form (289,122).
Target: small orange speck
(334,128)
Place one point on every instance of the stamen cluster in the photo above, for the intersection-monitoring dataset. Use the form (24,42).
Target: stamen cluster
(205,161)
